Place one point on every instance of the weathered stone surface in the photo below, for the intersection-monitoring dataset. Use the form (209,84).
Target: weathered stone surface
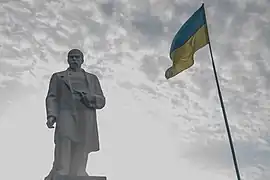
(73,98)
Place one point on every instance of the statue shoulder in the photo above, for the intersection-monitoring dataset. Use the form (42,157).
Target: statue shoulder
(57,74)
(91,75)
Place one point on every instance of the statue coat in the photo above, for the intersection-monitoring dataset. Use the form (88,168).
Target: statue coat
(79,125)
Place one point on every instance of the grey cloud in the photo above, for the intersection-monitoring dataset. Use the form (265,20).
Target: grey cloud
(150,26)
(150,90)
(265,31)
(10,93)
(152,66)
(178,9)
(218,156)
(255,7)
(226,52)
(263,70)
(203,78)
(142,87)
(127,85)
(108,8)
(97,28)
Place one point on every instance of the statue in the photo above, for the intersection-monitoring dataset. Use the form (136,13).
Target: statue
(73,97)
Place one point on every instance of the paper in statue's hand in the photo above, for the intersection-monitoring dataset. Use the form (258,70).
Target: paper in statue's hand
(87,99)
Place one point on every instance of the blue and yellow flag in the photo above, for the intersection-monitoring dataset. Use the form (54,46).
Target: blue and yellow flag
(192,36)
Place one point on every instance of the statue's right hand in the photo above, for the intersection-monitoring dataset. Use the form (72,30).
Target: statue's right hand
(50,122)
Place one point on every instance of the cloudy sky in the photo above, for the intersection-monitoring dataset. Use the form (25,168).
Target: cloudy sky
(151,128)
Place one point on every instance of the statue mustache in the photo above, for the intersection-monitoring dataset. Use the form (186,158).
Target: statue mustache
(74,63)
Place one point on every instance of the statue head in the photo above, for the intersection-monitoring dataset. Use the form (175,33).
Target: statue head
(75,58)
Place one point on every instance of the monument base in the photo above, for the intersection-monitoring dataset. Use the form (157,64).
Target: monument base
(61,177)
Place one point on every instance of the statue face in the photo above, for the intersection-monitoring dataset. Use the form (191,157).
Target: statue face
(75,58)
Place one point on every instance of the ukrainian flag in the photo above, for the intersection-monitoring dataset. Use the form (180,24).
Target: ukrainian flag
(192,36)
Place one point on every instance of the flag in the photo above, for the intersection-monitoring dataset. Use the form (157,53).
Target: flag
(192,36)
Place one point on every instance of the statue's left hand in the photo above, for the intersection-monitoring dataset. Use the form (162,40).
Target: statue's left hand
(88,99)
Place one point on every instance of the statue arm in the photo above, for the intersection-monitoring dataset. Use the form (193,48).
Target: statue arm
(51,98)
(100,99)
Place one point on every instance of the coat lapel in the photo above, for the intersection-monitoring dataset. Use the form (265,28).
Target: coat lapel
(64,78)
(88,80)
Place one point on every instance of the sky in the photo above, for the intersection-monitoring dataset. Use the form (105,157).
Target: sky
(151,128)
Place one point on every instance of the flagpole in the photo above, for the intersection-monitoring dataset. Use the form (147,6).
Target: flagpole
(223,107)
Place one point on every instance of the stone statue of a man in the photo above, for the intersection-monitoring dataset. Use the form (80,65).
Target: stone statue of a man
(73,97)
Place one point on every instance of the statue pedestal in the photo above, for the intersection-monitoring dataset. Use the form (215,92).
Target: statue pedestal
(80,177)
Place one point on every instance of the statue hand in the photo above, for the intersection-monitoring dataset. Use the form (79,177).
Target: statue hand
(50,122)
(88,100)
